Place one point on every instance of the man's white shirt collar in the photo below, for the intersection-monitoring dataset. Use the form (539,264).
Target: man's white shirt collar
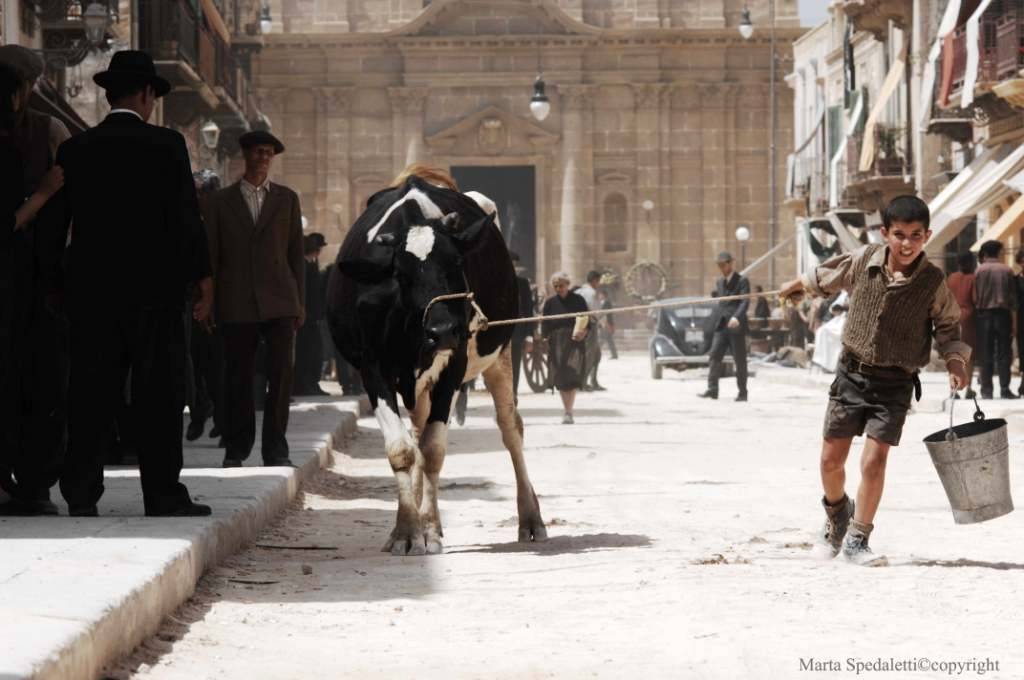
(251,187)
(134,113)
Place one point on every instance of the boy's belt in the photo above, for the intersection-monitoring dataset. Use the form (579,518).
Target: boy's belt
(855,365)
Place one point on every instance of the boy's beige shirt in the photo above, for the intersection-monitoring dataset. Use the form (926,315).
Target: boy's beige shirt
(837,274)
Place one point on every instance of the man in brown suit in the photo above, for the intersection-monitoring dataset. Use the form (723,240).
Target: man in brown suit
(255,233)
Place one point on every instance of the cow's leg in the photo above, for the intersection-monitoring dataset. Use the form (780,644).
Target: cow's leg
(407,464)
(434,444)
(498,378)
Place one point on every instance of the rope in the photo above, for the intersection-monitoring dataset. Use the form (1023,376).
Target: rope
(485,323)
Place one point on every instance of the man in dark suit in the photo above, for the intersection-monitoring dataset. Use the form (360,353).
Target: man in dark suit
(128,190)
(730,330)
(308,346)
(256,249)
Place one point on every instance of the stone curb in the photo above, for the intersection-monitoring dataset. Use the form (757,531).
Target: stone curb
(118,629)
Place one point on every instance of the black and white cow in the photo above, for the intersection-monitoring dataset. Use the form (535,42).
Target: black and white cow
(414,243)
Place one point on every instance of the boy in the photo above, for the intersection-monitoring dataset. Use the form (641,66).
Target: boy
(899,302)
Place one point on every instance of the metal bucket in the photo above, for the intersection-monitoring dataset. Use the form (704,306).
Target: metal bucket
(973,463)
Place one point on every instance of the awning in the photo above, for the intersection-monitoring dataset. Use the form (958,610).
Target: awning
(764,258)
(972,42)
(834,173)
(850,243)
(946,26)
(1010,221)
(978,186)
(892,81)
(216,21)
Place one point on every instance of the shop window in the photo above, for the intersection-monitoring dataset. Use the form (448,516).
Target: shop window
(616,226)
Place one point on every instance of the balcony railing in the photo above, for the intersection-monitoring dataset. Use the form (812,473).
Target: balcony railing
(1000,52)
(169,31)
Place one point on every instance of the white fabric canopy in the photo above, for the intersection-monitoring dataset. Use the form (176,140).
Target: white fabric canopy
(971,72)
(978,186)
(855,116)
(892,81)
(946,27)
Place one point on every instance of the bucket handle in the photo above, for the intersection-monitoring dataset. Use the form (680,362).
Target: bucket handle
(979,415)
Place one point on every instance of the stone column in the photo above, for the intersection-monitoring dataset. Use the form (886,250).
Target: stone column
(712,98)
(577,179)
(407,125)
(274,104)
(647,98)
(332,162)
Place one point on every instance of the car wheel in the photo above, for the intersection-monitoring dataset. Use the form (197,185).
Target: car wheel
(655,369)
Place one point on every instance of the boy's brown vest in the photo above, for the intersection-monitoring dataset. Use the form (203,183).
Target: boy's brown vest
(892,326)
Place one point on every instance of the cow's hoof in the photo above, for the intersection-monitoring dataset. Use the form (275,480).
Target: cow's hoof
(402,544)
(433,542)
(532,530)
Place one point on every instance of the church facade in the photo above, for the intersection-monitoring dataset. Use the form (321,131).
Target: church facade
(656,147)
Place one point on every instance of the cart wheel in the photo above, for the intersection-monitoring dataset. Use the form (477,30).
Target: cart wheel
(535,366)
(656,369)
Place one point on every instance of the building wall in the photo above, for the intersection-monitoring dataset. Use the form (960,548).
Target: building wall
(678,117)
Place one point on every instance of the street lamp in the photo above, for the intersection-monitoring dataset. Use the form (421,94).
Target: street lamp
(743,235)
(746,25)
(211,135)
(266,21)
(540,105)
(747,30)
(96,19)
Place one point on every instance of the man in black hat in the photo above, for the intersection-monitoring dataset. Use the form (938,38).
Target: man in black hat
(308,346)
(256,249)
(730,329)
(128,189)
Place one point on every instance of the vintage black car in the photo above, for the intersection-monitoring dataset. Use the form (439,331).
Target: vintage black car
(682,336)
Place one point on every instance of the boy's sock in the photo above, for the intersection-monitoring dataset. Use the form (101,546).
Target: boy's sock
(855,546)
(838,516)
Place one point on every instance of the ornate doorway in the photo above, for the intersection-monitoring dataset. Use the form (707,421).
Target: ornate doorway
(512,188)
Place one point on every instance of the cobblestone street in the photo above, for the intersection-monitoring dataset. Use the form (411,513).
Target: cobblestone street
(679,547)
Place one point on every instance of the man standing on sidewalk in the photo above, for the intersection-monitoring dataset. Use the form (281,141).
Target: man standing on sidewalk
(730,329)
(128,190)
(259,267)
(995,292)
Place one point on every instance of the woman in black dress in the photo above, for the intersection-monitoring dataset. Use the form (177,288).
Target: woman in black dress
(15,280)
(565,342)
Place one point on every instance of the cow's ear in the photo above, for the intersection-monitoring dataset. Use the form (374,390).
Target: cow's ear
(467,238)
(452,222)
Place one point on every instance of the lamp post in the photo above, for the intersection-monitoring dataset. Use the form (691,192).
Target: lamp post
(266,21)
(211,135)
(743,235)
(746,29)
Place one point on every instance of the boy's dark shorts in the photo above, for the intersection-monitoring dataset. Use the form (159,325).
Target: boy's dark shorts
(867,404)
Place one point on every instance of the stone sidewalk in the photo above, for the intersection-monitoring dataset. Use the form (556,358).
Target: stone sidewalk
(76,593)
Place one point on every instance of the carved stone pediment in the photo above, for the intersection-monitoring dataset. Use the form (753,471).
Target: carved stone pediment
(493,18)
(492,132)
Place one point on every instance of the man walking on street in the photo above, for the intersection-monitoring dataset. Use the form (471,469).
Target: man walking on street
(588,292)
(128,189)
(995,292)
(730,329)
(256,250)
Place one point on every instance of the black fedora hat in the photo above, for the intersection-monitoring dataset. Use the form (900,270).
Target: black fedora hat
(258,137)
(129,67)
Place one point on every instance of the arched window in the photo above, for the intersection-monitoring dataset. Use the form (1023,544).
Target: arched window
(616,227)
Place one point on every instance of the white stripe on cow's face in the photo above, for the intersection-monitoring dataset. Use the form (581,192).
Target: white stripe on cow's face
(420,242)
(427,207)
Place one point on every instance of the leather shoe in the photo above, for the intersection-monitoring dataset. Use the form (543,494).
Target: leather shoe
(83,511)
(742,396)
(189,509)
(1007,394)
(231,462)
(708,394)
(280,461)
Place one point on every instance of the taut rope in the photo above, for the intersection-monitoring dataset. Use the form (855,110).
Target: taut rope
(485,323)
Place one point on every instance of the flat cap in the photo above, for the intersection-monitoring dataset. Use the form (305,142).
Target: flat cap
(26,63)
(258,137)
(724,256)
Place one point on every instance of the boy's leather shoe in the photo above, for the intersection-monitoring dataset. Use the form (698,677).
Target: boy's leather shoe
(742,396)
(855,547)
(708,394)
(278,461)
(837,521)
(986,395)
(31,508)
(1007,394)
(83,511)
(231,462)
(189,509)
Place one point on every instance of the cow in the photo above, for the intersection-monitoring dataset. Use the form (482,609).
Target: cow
(416,242)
